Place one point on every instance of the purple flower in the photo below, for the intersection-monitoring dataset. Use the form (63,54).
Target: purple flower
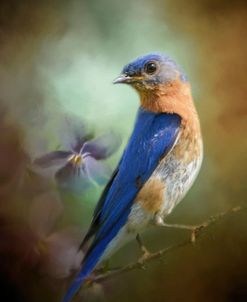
(81,164)
(57,249)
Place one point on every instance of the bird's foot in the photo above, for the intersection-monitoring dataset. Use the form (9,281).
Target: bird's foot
(145,252)
(193,228)
(194,232)
(145,256)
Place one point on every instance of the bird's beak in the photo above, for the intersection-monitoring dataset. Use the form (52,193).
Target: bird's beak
(123,78)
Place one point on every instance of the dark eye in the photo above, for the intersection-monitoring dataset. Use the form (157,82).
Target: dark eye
(150,67)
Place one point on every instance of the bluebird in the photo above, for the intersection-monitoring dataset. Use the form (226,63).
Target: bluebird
(159,164)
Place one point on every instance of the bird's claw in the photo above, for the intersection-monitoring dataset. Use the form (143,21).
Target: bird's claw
(194,229)
(145,252)
(195,232)
(145,256)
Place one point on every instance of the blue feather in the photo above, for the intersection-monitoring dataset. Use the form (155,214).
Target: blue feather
(136,67)
(153,137)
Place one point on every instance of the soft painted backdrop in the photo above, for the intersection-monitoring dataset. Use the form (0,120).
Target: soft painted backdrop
(59,58)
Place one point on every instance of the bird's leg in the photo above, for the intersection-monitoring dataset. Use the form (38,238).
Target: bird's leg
(144,250)
(193,228)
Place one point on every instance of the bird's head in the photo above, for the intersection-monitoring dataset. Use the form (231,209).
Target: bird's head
(150,71)
(162,85)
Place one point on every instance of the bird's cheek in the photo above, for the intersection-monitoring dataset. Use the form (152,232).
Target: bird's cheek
(148,85)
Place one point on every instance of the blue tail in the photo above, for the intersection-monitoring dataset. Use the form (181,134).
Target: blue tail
(88,265)
(92,258)
(85,271)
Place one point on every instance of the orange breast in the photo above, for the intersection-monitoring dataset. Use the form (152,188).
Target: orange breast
(151,196)
(189,146)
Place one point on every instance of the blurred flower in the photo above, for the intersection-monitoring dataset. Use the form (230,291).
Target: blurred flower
(94,293)
(13,158)
(58,251)
(81,164)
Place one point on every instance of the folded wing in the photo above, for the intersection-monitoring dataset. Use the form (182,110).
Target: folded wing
(153,137)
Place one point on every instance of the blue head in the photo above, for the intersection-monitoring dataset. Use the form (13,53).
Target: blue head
(148,71)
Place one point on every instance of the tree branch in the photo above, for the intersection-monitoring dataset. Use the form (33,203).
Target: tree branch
(196,232)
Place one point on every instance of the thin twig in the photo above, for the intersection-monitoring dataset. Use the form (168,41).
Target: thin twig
(158,255)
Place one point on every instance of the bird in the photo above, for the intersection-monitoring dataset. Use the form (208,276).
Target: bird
(160,163)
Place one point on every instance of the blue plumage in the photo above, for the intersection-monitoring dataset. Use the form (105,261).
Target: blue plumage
(168,71)
(153,136)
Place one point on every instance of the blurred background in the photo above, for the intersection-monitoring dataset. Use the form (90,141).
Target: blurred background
(58,59)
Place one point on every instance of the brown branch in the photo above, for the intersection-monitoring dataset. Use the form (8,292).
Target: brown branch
(196,232)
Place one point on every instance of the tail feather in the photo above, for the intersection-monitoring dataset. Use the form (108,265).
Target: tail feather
(90,261)
(87,268)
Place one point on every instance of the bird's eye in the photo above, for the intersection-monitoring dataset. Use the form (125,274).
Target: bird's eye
(150,67)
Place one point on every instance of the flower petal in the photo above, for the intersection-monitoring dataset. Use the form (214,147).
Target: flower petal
(61,255)
(74,133)
(44,212)
(93,293)
(103,146)
(54,158)
(98,171)
(72,177)
(79,142)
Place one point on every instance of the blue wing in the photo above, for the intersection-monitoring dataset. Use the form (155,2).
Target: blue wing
(153,137)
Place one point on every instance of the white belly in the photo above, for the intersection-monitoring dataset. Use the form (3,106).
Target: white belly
(178,177)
